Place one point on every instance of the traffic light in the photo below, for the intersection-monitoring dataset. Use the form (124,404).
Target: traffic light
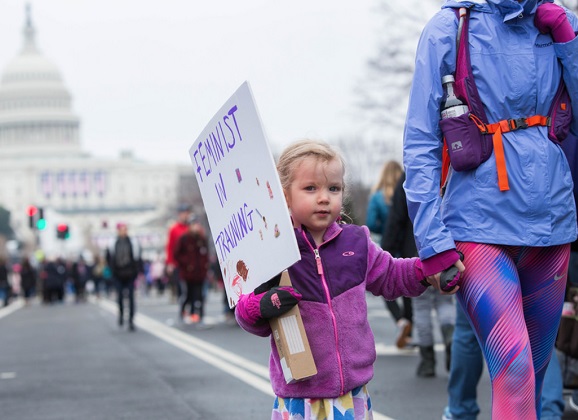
(32,210)
(62,231)
(41,221)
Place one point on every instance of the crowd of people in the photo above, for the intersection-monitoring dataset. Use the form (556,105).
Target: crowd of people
(120,270)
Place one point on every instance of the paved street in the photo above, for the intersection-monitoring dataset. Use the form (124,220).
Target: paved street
(72,361)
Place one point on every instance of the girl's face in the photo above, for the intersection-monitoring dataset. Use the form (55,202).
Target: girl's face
(316,195)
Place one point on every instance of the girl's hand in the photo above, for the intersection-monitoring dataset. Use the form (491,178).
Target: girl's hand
(277,301)
(270,300)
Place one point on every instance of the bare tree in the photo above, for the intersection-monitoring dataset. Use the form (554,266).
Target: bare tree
(382,94)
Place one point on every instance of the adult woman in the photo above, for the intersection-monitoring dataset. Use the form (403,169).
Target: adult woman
(515,241)
(380,198)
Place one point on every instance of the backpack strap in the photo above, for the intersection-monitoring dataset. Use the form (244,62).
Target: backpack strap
(466,90)
(463,70)
(560,113)
(445,167)
(465,84)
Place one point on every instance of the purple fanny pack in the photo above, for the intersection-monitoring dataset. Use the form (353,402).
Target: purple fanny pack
(467,147)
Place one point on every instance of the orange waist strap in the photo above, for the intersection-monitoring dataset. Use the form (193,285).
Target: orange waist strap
(505,126)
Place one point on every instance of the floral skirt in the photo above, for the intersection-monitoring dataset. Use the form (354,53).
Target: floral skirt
(355,405)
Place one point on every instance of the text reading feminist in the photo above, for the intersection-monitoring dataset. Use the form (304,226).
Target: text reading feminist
(219,142)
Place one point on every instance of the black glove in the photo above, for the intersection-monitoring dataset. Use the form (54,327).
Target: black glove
(277,301)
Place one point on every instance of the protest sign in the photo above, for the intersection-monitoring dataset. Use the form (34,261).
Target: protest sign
(243,198)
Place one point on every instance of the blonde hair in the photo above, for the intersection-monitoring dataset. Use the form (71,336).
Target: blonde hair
(390,174)
(296,152)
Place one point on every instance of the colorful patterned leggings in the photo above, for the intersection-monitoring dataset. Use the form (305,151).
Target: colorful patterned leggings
(513,297)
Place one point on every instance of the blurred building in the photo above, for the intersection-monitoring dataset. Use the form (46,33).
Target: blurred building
(42,164)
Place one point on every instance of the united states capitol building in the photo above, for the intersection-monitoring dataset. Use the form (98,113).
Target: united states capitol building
(42,164)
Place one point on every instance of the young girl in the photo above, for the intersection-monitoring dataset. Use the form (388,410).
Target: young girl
(338,264)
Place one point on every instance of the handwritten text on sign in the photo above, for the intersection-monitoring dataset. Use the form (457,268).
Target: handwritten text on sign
(247,212)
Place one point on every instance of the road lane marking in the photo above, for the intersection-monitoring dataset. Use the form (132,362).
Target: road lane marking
(391,350)
(14,306)
(251,373)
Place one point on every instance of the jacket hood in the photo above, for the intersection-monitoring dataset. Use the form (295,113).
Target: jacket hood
(507,8)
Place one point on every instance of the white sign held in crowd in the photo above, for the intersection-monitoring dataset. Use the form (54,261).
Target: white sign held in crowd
(242,195)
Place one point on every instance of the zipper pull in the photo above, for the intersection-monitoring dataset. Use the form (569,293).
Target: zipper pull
(318,261)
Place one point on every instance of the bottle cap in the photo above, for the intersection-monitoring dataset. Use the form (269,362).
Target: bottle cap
(448,78)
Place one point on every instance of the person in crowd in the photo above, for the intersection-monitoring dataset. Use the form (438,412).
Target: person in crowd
(380,198)
(573,282)
(512,215)
(192,258)
(98,274)
(157,273)
(147,278)
(571,150)
(28,279)
(5,286)
(570,147)
(54,277)
(79,273)
(124,259)
(378,209)
(339,263)
(109,284)
(399,240)
(216,276)
(180,226)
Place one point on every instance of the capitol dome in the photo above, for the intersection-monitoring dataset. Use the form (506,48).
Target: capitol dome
(36,117)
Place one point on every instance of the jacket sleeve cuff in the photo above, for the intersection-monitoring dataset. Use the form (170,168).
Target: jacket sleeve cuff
(439,262)
(418,267)
(250,311)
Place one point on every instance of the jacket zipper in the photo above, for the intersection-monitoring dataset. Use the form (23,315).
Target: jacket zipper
(328,296)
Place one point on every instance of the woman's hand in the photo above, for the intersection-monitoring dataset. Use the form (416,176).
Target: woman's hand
(551,18)
(435,280)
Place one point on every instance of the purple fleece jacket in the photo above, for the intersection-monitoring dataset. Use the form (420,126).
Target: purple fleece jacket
(334,309)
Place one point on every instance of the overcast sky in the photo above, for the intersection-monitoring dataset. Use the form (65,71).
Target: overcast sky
(148,76)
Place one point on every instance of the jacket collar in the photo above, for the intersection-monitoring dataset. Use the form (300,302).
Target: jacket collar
(333,230)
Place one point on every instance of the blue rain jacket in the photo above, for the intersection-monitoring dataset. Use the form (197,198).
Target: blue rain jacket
(517,71)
